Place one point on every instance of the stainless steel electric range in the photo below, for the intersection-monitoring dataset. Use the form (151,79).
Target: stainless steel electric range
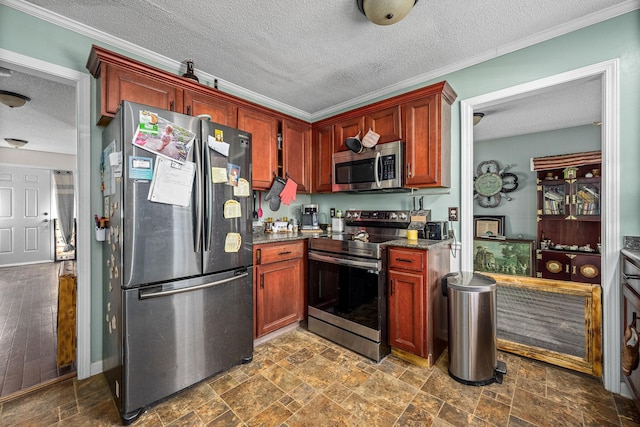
(347,281)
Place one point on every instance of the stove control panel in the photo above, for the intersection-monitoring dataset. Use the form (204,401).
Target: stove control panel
(396,219)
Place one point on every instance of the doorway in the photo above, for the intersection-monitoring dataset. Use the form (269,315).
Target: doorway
(82,83)
(608,72)
(26,219)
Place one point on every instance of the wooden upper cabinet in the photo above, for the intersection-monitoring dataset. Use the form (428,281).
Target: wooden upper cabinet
(322,159)
(386,123)
(264,149)
(296,153)
(346,129)
(121,84)
(222,112)
(427,125)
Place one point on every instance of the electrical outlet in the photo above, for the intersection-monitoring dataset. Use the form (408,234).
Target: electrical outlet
(453,214)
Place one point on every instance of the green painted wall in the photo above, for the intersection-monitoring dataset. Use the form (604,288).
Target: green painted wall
(517,151)
(616,38)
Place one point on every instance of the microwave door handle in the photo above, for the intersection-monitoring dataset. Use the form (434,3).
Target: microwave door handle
(376,170)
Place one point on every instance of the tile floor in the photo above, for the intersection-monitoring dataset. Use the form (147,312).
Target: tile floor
(299,379)
(28,318)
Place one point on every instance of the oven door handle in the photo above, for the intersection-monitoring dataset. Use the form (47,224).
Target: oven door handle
(364,264)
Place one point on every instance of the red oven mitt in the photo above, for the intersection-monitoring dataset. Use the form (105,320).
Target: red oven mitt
(288,194)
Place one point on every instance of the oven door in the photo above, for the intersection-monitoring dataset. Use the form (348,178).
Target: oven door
(346,297)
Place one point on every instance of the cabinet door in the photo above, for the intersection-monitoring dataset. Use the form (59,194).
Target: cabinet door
(427,157)
(585,268)
(553,265)
(552,198)
(322,159)
(407,305)
(126,85)
(386,123)
(346,129)
(264,148)
(279,298)
(586,199)
(221,112)
(631,310)
(296,153)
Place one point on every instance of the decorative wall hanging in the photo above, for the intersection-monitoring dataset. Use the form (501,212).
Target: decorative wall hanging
(492,183)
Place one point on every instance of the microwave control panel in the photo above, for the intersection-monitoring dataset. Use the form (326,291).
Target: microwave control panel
(388,167)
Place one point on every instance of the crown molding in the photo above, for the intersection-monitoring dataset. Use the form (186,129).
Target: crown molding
(170,64)
(585,21)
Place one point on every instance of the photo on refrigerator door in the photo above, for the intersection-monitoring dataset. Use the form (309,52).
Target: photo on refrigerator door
(162,137)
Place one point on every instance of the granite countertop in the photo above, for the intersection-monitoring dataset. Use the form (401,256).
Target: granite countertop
(631,248)
(259,238)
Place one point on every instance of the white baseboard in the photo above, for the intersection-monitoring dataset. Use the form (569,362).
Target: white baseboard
(97,368)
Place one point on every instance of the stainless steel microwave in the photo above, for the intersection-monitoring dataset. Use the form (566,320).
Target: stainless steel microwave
(377,168)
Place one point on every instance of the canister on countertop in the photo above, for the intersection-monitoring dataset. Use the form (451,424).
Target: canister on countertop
(337,225)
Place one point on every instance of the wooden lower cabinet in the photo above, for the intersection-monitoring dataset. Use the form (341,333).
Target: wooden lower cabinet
(630,313)
(407,311)
(569,266)
(417,308)
(278,285)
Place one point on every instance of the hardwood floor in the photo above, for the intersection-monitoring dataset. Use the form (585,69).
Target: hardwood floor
(301,380)
(28,319)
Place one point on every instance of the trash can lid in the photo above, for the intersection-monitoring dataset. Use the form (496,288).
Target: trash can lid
(470,282)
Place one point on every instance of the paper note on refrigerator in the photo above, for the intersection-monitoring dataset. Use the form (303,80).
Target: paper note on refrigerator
(232,242)
(218,175)
(219,146)
(172,182)
(243,189)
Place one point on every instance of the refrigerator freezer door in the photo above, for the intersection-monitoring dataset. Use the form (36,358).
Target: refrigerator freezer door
(159,239)
(227,239)
(181,333)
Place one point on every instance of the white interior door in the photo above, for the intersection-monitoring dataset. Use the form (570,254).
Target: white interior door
(25,215)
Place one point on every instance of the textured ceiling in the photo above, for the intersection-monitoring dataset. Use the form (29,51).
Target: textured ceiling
(319,57)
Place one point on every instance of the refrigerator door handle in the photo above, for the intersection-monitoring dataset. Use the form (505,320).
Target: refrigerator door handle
(151,294)
(199,202)
(209,205)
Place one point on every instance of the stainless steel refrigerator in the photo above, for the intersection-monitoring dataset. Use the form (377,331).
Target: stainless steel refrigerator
(178,301)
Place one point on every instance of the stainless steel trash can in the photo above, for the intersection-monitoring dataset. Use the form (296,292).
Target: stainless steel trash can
(472,328)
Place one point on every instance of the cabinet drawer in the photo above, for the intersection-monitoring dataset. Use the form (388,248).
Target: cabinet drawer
(631,275)
(266,254)
(407,259)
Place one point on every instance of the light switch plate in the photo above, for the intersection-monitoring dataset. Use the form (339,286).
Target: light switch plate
(453,214)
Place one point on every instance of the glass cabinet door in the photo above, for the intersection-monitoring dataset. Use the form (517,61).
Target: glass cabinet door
(553,199)
(586,199)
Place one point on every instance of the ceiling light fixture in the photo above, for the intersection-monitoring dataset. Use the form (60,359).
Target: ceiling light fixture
(477,117)
(16,143)
(12,99)
(385,12)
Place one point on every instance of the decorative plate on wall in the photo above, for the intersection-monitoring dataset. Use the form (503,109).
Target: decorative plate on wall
(492,183)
